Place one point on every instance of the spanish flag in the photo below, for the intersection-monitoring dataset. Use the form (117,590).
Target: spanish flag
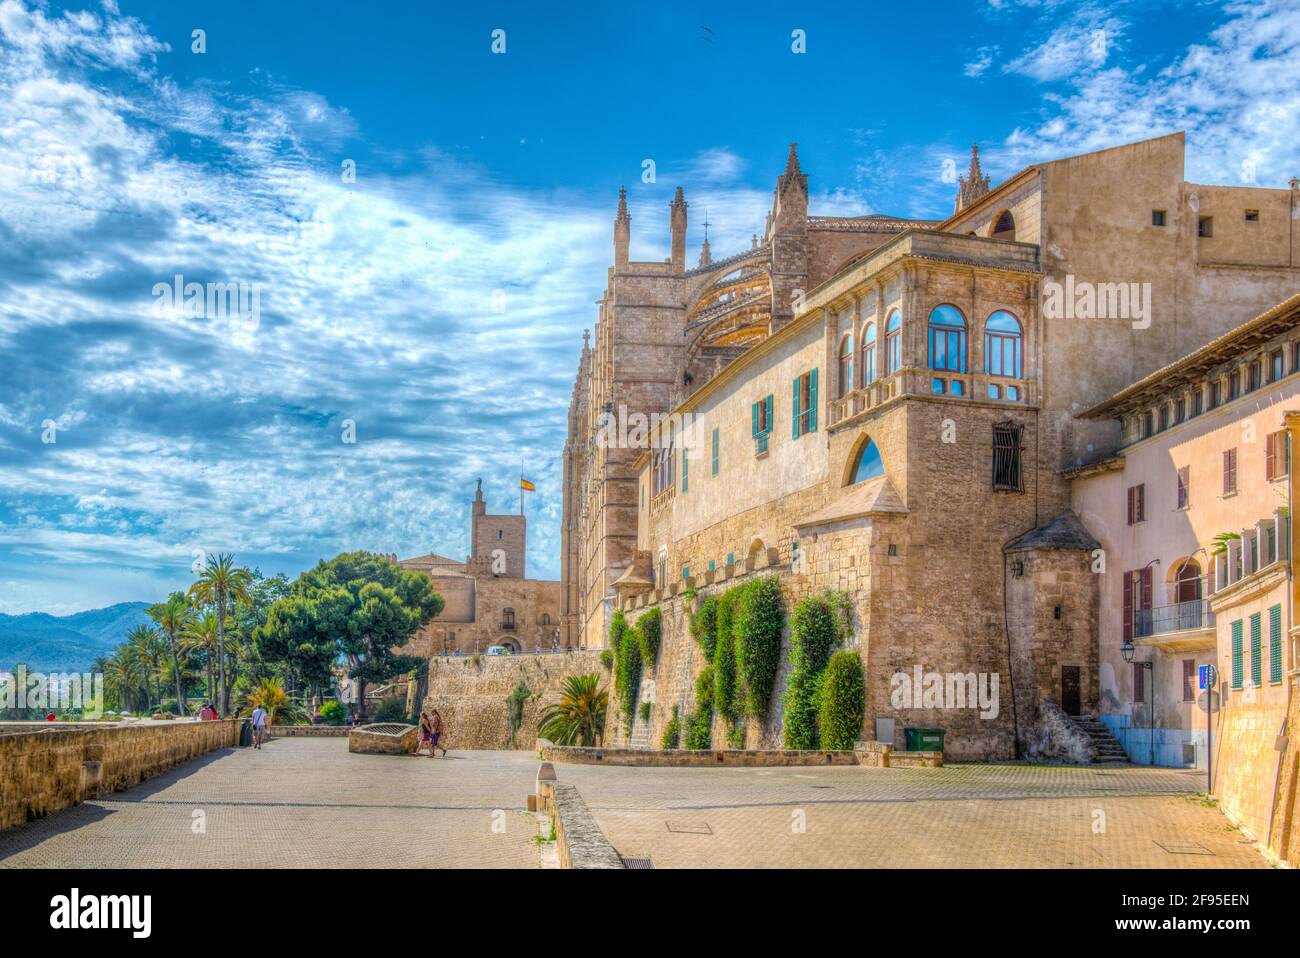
(525,485)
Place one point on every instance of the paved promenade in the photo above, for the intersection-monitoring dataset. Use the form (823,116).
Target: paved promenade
(309,802)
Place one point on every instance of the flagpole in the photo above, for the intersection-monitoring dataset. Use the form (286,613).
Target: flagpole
(521,485)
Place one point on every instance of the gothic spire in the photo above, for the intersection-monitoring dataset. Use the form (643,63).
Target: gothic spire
(706,257)
(974,184)
(622,215)
(792,161)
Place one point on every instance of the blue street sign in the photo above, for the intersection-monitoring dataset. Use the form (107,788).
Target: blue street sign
(1208,676)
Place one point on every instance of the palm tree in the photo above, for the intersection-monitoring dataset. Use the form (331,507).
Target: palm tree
(122,676)
(143,643)
(270,695)
(173,616)
(221,583)
(201,633)
(579,717)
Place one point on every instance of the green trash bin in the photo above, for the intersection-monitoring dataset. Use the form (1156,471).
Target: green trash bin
(245,733)
(923,739)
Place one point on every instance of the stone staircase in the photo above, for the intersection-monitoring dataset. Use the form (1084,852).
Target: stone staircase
(1106,749)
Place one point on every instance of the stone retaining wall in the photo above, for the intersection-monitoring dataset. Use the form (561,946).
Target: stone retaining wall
(693,758)
(581,842)
(470,694)
(308,731)
(54,768)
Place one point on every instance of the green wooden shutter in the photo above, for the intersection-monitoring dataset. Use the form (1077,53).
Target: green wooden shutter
(770,420)
(1236,654)
(715,451)
(753,416)
(1275,644)
(794,417)
(1256,662)
(812,402)
(686,479)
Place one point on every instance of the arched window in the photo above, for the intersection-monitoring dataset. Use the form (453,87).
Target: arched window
(1004,227)
(947,339)
(507,618)
(1187,582)
(846,365)
(868,464)
(868,373)
(893,343)
(1003,355)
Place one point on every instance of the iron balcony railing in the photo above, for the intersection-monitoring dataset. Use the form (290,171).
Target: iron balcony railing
(1179,617)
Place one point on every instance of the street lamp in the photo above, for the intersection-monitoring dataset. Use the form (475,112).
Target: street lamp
(1127,651)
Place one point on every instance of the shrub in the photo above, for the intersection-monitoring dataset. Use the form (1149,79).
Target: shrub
(759,619)
(812,634)
(801,711)
(627,678)
(515,703)
(704,626)
(162,716)
(724,679)
(391,710)
(672,737)
(617,628)
(843,701)
(699,733)
(333,713)
(578,718)
(649,629)
(736,737)
(704,685)
(645,711)
(607,658)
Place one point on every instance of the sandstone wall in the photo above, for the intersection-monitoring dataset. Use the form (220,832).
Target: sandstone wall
(470,693)
(54,768)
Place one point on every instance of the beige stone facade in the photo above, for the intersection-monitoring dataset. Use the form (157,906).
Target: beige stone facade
(956,543)
(489,601)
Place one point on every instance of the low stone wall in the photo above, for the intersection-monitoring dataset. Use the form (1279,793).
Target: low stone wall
(581,842)
(308,731)
(384,738)
(54,768)
(470,694)
(693,758)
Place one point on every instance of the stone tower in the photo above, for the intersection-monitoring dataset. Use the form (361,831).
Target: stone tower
(677,209)
(622,230)
(499,541)
(787,232)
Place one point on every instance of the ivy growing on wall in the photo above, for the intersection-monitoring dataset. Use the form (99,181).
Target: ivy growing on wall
(672,737)
(759,619)
(515,702)
(843,701)
(704,626)
(627,675)
(814,630)
(724,673)
(649,630)
(699,730)
(617,626)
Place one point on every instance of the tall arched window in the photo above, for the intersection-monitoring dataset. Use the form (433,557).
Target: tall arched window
(868,373)
(1187,582)
(893,343)
(868,464)
(947,339)
(1004,227)
(1003,353)
(846,365)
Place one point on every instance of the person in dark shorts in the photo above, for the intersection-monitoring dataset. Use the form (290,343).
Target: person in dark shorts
(435,732)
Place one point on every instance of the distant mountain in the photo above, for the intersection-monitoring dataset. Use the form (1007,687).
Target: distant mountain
(64,643)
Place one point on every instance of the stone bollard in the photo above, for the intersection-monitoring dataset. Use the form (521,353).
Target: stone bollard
(92,771)
(544,788)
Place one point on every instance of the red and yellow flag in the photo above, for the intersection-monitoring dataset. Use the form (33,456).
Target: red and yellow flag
(525,485)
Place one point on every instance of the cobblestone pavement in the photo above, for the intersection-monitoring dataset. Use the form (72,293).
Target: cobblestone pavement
(309,802)
(956,816)
(300,802)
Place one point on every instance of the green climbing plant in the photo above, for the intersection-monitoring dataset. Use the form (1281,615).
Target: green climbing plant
(649,629)
(515,703)
(672,735)
(704,626)
(759,621)
(843,701)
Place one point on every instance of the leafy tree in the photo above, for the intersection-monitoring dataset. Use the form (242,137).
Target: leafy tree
(173,617)
(147,652)
(201,635)
(302,631)
(370,606)
(578,718)
(222,584)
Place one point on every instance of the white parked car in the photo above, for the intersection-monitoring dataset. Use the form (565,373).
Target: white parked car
(498,650)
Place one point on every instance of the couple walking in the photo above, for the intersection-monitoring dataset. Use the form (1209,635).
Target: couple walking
(430,731)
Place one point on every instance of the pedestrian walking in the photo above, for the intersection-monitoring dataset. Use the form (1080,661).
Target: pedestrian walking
(259,726)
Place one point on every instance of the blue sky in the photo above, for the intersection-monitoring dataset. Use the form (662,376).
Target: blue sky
(438,301)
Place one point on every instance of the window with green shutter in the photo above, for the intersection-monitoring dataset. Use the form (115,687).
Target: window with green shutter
(686,475)
(1236,655)
(804,404)
(761,419)
(715,450)
(1256,634)
(1275,644)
